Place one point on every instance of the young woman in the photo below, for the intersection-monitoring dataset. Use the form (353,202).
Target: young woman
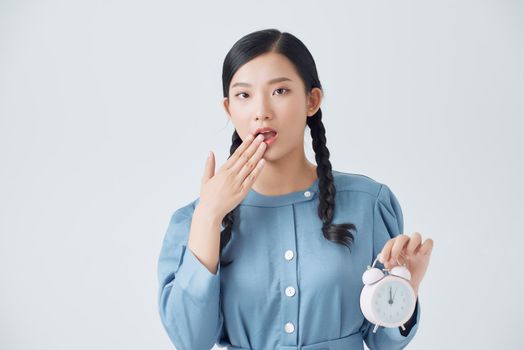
(271,254)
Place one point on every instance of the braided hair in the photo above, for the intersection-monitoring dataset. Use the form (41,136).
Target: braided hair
(272,40)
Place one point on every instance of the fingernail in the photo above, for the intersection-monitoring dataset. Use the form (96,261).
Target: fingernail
(209,155)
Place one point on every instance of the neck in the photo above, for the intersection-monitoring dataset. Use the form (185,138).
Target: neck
(286,175)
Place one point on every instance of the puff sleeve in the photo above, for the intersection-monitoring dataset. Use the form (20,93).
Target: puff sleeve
(388,222)
(189,294)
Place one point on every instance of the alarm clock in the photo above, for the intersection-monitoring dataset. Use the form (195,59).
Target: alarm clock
(387,300)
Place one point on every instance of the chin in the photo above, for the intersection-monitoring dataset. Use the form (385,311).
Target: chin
(272,155)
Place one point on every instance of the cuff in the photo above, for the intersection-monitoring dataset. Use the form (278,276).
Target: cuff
(195,278)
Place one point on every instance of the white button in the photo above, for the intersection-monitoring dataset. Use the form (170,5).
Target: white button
(290,291)
(289,327)
(307,194)
(288,255)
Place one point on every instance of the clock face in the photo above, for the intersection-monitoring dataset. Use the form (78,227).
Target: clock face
(392,301)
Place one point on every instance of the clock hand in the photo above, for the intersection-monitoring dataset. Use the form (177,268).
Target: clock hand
(390,297)
(395,294)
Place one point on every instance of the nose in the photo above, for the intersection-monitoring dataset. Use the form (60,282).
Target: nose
(263,109)
(262,116)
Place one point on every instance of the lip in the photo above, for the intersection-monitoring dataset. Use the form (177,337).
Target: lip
(271,140)
(263,129)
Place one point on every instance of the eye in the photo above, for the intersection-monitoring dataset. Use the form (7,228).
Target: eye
(240,93)
(281,89)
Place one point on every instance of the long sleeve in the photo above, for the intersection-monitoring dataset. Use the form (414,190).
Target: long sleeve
(388,222)
(189,294)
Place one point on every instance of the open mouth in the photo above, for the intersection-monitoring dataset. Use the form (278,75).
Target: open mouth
(268,135)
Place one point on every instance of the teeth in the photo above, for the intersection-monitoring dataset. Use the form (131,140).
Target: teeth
(265,133)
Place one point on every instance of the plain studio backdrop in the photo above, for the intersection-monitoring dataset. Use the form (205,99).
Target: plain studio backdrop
(108,110)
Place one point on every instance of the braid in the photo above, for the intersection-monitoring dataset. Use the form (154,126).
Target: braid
(337,233)
(227,222)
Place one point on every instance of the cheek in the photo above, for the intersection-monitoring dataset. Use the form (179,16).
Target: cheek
(240,115)
(294,114)
(237,110)
(292,108)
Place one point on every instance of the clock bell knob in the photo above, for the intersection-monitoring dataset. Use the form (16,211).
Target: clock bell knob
(401,271)
(372,275)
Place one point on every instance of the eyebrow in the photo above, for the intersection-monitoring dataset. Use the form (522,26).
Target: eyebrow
(272,81)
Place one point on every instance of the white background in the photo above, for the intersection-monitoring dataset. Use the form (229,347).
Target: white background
(108,110)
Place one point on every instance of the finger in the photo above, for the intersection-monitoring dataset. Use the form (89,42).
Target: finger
(244,157)
(238,152)
(209,168)
(413,244)
(427,247)
(400,242)
(386,251)
(250,165)
(251,178)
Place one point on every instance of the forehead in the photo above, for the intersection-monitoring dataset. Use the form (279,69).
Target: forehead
(265,67)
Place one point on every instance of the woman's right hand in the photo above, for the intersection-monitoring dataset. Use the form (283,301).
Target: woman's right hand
(222,192)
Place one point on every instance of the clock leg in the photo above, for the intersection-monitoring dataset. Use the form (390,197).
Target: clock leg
(375,329)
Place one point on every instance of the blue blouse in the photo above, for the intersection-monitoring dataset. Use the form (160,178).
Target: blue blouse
(288,287)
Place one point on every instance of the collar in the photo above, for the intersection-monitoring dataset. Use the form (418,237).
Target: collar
(256,199)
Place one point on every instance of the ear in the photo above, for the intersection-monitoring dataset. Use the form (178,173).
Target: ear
(225,104)
(314,100)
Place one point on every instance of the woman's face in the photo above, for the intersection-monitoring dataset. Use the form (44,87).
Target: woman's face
(258,98)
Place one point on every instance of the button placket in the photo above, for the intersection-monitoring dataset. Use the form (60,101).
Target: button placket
(289,278)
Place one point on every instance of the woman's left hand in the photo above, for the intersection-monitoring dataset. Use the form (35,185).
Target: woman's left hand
(407,250)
